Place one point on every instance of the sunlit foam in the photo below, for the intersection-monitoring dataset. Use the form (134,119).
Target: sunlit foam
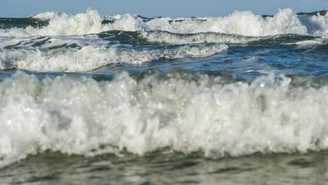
(240,22)
(89,58)
(78,115)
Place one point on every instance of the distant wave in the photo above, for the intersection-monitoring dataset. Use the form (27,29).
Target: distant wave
(88,58)
(245,23)
(87,41)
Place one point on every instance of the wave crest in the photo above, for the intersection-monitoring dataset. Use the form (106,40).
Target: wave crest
(241,23)
(187,113)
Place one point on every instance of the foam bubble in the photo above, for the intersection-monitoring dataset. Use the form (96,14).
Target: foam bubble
(310,44)
(47,15)
(62,24)
(127,22)
(240,22)
(171,38)
(317,25)
(89,58)
(85,117)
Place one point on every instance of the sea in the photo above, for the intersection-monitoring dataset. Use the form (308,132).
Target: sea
(91,99)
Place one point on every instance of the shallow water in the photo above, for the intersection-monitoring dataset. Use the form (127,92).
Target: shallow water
(168,168)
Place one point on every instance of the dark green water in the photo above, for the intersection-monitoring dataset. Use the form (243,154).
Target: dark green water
(169,168)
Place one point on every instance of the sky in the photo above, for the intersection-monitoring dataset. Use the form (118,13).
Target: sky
(150,8)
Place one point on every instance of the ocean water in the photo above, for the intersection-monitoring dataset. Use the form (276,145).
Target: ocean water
(125,99)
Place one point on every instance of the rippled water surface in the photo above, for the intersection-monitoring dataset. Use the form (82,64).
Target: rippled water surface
(169,168)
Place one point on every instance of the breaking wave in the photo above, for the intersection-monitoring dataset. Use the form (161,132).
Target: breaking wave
(181,111)
(245,23)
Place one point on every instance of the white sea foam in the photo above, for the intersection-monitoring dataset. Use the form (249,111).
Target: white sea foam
(171,38)
(310,44)
(89,58)
(47,15)
(81,116)
(240,22)
(317,25)
(62,24)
